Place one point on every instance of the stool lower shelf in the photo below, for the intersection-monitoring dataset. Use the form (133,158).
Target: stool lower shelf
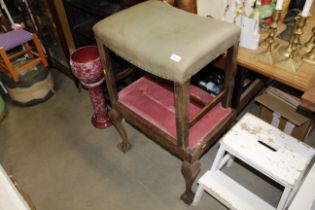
(230,193)
(155,104)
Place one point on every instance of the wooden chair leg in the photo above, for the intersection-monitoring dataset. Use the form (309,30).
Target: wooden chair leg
(116,119)
(40,50)
(28,49)
(8,65)
(190,172)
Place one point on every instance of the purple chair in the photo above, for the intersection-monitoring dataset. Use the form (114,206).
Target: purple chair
(14,39)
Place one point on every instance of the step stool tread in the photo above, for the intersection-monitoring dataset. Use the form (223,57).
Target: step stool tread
(231,193)
(268,149)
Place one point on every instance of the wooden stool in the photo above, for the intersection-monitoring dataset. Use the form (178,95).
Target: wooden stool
(18,38)
(170,45)
(265,148)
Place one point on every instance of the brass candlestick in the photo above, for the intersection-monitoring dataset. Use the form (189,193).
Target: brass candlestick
(293,62)
(310,56)
(310,43)
(266,56)
(288,57)
(272,29)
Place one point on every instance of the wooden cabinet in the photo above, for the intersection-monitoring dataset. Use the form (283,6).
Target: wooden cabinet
(82,15)
(49,29)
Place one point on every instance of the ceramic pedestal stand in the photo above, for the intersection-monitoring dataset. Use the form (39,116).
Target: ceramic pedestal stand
(2,109)
(87,67)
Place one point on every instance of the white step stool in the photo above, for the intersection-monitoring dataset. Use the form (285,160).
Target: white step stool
(267,149)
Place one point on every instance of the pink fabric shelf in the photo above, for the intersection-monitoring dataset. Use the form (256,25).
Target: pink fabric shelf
(155,103)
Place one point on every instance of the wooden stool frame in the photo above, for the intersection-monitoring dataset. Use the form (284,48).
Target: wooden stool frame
(38,56)
(191,164)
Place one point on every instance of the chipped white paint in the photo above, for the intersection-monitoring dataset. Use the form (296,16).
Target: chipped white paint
(283,165)
(10,198)
(267,149)
(229,192)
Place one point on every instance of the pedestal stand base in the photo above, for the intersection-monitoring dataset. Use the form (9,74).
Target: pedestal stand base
(101,122)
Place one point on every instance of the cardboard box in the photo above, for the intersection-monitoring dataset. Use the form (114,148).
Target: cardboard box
(277,112)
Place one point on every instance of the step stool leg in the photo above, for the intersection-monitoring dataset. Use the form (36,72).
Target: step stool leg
(293,193)
(216,163)
(230,161)
(198,195)
(284,197)
(226,160)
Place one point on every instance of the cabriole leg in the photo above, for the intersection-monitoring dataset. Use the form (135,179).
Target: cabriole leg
(190,172)
(116,119)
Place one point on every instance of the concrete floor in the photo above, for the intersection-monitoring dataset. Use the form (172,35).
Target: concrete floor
(64,163)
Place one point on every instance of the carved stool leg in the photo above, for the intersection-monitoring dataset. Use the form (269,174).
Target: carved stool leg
(116,119)
(190,172)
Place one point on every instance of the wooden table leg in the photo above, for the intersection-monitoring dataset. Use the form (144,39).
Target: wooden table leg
(238,87)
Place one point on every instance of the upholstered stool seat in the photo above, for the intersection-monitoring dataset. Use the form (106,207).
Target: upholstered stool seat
(167,42)
(170,46)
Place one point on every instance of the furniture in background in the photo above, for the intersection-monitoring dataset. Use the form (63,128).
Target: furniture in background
(2,108)
(52,26)
(86,65)
(82,15)
(46,18)
(170,46)
(54,20)
(308,98)
(18,40)
(265,148)
(302,79)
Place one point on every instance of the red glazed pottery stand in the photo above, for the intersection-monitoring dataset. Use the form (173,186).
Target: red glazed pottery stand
(87,67)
